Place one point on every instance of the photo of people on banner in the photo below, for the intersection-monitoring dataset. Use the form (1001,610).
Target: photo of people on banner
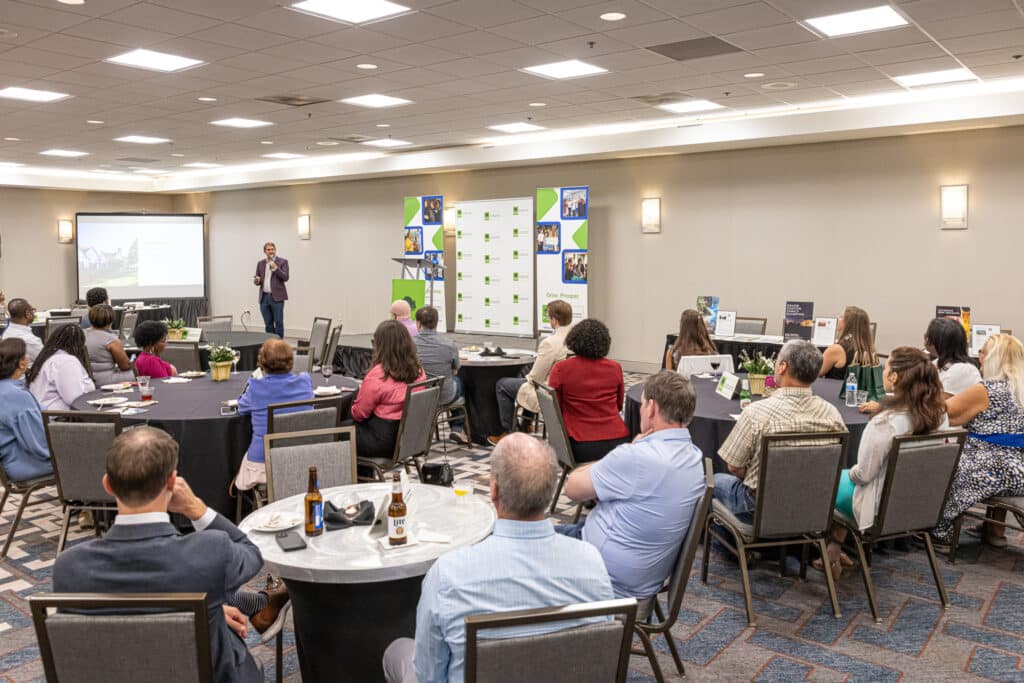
(433,210)
(413,240)
(549,238)
(574,267)
(574,202)
(437,258)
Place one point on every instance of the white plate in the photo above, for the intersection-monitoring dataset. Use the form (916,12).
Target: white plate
(326,391)
(191,374)
(116,387)
(279,521)
(108,401)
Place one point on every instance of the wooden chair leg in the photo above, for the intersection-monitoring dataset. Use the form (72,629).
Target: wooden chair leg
(830,582)
(649,648)
(933,561)
(670,640)
(65,524)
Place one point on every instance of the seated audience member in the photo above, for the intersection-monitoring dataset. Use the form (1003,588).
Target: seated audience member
(61,372)
(21,315)
(377,410)
(523,564)
(947,341)
(151,337)
(522,390)
(792,408)
(992,463)
(590,392)
(916,406)
(400,311)
(107,356)
(143,553)
(647,491)
(693,339)
(95,297)
(277,385)
(439,357)
(24,452)
(856,346)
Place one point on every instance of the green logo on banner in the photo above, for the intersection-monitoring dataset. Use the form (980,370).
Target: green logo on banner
(487,258)
(515,277)
(547,199)
(487,215)
(439,240)
(515,255)
(460,317)
(515,232)
(487,322)
(458,254)
(487,279)
(487,237)
(544,312)
(487,301)
(458,233)
(458,275)
(459,296)
(515,210)
(458,212)
(515,298)
(515,320)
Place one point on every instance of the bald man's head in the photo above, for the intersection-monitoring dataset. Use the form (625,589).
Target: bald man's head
(524,474)
(276,357)
(400,310)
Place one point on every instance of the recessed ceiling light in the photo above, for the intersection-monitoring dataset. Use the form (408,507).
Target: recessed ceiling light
(859,21)
(515,127)
(8,33)
(206,99)
(63,153)
(95,122)
(350,11)
(266,142)
(283,155)
(13,139)
(613,16)
(935,77)
(155,61)
(383,125)
(754,74)
(571,68)
(779,85)
(202,164)
(688,106)
(9,164)
(240,123)
(177,155)
(376,101)
(150,171)
(367,66)
(327,143)
(71,2)
(30,95)
(141,139)
(387,142)
(538,104)
(105,170)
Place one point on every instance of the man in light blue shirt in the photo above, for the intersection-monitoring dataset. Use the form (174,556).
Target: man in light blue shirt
(523,564)
(647,491)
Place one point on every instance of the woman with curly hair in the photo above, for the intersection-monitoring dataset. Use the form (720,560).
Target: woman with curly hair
(693,339)
(61,372)
(590,392)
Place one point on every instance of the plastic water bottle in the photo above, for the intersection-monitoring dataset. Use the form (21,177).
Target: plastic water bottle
(744,395)
(851,390)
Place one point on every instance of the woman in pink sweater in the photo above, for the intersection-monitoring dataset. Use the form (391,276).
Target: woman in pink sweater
(151,337)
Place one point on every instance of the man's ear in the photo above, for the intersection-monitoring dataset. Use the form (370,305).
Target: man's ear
(106,485)
(171,479)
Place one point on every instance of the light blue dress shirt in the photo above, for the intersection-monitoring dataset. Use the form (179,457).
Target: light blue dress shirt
(23,448)
(521,565)
(648,492)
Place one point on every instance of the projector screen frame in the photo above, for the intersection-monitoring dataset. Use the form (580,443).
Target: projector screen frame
(146,214)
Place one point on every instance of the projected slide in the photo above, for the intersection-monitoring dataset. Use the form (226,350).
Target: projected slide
(141,256)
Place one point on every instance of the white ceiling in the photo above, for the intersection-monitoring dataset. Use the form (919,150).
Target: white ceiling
(458,60)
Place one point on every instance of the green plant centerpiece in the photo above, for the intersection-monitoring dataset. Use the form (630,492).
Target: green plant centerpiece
(221,358)
(758,368)
(176,329)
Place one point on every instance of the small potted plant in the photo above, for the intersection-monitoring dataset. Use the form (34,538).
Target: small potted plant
(758,368)
(221,358)
(176,329)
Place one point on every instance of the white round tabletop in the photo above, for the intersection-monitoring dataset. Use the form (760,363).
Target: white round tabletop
(511,357)
(354,555)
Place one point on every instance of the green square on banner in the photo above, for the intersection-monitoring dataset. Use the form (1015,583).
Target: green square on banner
(487,237)
(460,317)
(487,258)
(515,320)
(515,232)
(580,236)
(487,322)
(515,298)
(459,232)
(487,215)
(458,212)
(458,255)
(459,296)
(515,277)
(487,279)
(515,255)
(515,212)
(458,275)
(412,207)
(412,291)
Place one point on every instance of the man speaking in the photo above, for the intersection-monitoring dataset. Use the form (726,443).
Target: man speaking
(271,274)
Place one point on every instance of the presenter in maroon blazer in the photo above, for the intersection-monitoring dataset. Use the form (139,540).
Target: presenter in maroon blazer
(271,274)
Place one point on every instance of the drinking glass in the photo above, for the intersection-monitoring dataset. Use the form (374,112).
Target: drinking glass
(862,397)
(462,491)
(234,362)
(715,364)
(145,388)
(326,370)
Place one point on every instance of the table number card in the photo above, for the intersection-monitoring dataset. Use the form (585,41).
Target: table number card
(726,326)
(980,334)
(727,385)
(824,331)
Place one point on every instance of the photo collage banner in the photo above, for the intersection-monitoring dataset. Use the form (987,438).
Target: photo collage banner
(494,266)
(424,237)
(560,238)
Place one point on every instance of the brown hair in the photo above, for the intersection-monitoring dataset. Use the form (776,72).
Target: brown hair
(674,395)
(395,352)
(12,350)
(269,244)
(857,336)
(101,315)
(560,311)
(918,390)
(139,461)
(693,338)
(276,357)
(427,317)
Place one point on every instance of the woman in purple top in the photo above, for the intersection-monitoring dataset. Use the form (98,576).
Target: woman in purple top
(277,385)
(151,337)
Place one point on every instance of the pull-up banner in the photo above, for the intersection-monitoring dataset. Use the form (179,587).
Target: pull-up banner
(424,237)
(562,249)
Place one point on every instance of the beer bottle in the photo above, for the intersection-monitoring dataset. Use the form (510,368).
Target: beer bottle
(314,505)
(396,515)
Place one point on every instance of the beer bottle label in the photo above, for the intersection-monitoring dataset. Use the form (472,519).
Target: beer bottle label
(396,527)
(316,512)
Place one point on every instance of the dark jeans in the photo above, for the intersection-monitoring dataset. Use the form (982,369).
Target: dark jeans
(376,437)
(273,314)
(458,423)
(571,530)
(591,451)
(506,390)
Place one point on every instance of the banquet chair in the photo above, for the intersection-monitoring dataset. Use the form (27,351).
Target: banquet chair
(747,325)
(53,324)
(674,588)
(215,323)
(918,476)
(695,365)
(288,466)
(79,310)
(314,347)
(142,625)
(78,443)
(874,331)
(330,349)
(798,477)
(419,411)
(25,489)
(558,439)
(184,356)
(574,654)
(449,411)
(1011,504)
(129,320)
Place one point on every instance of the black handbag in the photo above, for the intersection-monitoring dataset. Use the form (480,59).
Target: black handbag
(438,473)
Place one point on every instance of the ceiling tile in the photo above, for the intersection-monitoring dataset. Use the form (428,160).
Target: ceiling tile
(40,17)
(904,53)
(240,36)
(79,47)
(656,33)
(936,10)
(22,70)
(773,36)
(120,34)
(587,47)
(821,49)
(290,23)
(540,30)
(417,55)
(988,41)
(847,76)
(920,66)
(260,63)
(807,95)
(420,27)
(808,9)
(469,68)
(637,13)
(682,8)
(225,10)
(320,74)
(145,14)
(633,59)
(309,52)
(975,24)
(821,66)
(484,15)
(475,43)
(740,18)
(867,87)
(894,37)
(56,60)
(360,40)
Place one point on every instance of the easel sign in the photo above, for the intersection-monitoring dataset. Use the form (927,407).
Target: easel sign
(727,385)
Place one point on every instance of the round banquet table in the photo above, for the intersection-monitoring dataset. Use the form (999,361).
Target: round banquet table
(211,445)
(246,343)
(766,345)
(350,595)
(712,423)
(480,375)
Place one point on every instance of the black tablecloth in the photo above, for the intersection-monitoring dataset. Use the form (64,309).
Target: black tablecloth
(211,445)
(712,423)
(478,386)
(246,343)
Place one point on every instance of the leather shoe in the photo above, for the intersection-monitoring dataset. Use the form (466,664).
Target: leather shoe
(493,439)
(459,438)
(273,615)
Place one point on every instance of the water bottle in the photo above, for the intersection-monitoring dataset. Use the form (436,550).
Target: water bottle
(851,390)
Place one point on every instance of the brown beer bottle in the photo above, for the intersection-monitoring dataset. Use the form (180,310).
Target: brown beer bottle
(396,514)
(314,506)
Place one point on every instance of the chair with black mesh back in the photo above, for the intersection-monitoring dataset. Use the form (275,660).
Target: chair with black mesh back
(313,349)
(141,625)
(288,466)
(330,349)
(574,654)
(183,355)
(415,431)
(78,450)
(675,587)
(215,323)
(796,492)
(53,324)
(749,325)
(129,320)
(558,438)
(25,489)
(918,475)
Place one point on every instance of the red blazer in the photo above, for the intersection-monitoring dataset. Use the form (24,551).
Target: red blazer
(278,292)
(590,393)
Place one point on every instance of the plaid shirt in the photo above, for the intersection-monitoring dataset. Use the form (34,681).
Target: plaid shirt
(789,409)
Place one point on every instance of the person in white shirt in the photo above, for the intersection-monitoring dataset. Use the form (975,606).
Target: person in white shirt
(21,315)
(946,339)
(61,372)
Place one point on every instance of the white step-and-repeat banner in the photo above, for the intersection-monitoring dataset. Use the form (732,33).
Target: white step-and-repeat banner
(560,239)
(424,237)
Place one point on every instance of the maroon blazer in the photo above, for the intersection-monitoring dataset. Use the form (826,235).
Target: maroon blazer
(278,292)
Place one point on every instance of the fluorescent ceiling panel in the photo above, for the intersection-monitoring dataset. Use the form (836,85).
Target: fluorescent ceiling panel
(859,21)
(30,95)
(387,142)
(202,164)
(141,139)
(64,153)
(376,101)
(935,77)
(350,11)
(240,123)
(687,106)
(283,155)
(154,61)
(516,127)
(571,68)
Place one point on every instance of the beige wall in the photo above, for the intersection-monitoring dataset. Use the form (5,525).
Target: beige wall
(34,265)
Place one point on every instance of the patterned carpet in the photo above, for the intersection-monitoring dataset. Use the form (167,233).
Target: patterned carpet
(980,637)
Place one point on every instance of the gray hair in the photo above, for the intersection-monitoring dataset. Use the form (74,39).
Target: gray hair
(803,358)
(526,473)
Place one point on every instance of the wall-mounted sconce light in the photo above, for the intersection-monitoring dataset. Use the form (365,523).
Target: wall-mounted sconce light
(65,231)
(650,215)
(303,227)
(953,207)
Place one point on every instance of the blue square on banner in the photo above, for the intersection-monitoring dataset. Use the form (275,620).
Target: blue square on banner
(574,266)
(575,202)
(549,238)
(437,258)
(433,210)
(414,240)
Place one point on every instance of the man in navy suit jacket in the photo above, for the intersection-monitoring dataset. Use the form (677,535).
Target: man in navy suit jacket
(271,274)
(143,553)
